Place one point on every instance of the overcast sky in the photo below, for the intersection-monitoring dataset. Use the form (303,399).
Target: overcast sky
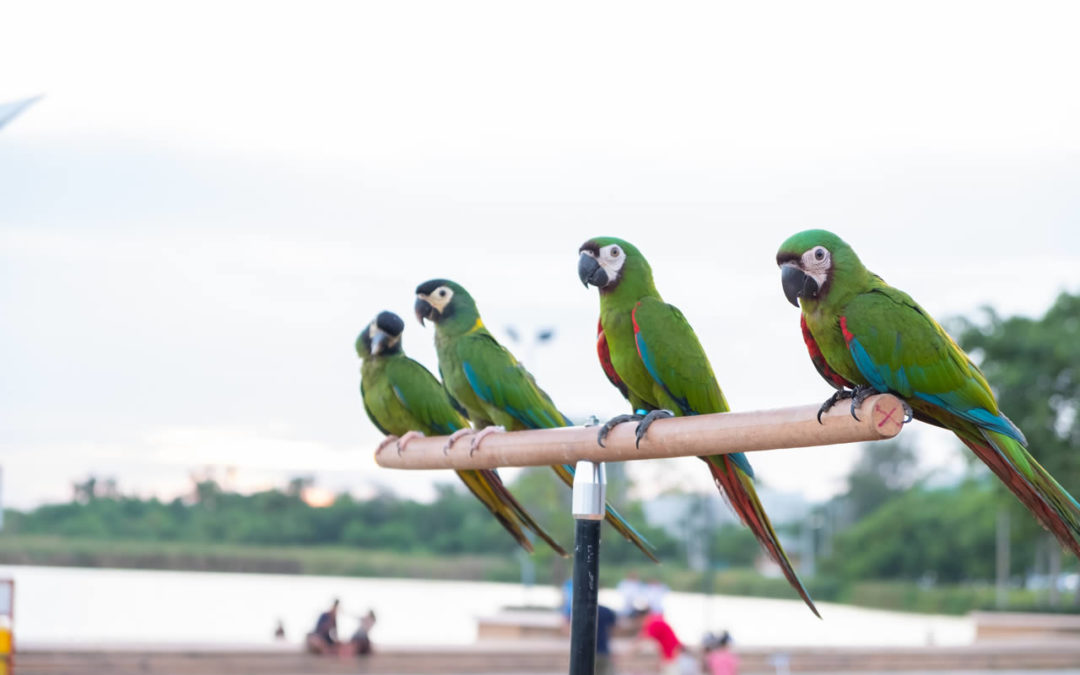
(212,199)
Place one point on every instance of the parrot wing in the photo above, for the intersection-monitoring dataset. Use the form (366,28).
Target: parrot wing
(453,401)
(424,397)
(367,409)
(898,347)
(672,354)
(500,381)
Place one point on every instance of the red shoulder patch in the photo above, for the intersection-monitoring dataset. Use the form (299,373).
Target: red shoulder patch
(822,366)
(848,337)
(604,352)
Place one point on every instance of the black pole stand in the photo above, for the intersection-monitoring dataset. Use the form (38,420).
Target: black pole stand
(588,511)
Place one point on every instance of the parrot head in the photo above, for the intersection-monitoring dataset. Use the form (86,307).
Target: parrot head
(440,300)
(811,261)
(604,262)
(381,337)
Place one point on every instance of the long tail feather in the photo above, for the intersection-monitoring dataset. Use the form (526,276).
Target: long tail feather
(1055,509)
(496,484)
(490,490)
(738,488)
(566,473)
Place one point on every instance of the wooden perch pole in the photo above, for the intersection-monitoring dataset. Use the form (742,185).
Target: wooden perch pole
(880,417)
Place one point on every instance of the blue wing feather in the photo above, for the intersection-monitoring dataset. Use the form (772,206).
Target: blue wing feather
(882,378)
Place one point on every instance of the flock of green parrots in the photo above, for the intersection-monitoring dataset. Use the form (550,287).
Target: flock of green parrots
(864,337)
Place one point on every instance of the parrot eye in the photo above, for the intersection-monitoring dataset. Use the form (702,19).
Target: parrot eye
(442,292)
(614,251)
(819,253)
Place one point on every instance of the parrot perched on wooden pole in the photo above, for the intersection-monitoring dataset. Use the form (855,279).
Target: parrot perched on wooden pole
(495,389)
(405,401)
(650,353)
(866,337)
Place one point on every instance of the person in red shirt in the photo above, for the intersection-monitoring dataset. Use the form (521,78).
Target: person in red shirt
(655,628)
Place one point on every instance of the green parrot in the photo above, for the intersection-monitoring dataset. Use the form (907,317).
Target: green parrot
(866,337)
(650,353)
(405,401)
(496,390)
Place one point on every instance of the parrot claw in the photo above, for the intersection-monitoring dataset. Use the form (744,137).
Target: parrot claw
(614,422)
(838,395)
(453,437)
(858,395)
(481,435)
(647,421)
(385,442)
(909,414)
(404,440)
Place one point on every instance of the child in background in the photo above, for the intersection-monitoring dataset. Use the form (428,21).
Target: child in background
(719,659)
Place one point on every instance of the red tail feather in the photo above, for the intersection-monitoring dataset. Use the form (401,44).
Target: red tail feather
(1020,487)
(753,516)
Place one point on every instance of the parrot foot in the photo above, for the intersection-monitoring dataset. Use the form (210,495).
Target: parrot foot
(647,421)
(481,435)
(838,395)
(385,442)
(453,437)
(860,394)
(909,414)
(614,422)
(404,440)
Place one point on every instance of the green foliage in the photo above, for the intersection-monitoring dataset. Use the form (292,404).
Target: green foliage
(884,470)
(734,546)
(454,524)
(1034,367)
(942,535)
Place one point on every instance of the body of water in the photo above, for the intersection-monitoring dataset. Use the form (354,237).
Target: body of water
(63,605)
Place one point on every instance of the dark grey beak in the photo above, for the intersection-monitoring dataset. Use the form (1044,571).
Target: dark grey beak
(590,272)
(378,343)
(424,310)
(796,284)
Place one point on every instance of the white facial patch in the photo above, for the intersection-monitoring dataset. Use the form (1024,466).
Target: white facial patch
(611,259)
(438,298)
(816,264)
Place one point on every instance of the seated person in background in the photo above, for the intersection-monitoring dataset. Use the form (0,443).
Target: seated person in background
(323,640)
(719,659)
(605,621)
(361,639)
(654,627)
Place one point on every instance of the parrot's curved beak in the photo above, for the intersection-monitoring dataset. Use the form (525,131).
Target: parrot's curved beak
(796,283)
(378,342)
(424,310)
(590,272)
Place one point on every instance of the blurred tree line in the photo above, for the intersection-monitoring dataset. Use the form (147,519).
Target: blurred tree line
(453,523)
